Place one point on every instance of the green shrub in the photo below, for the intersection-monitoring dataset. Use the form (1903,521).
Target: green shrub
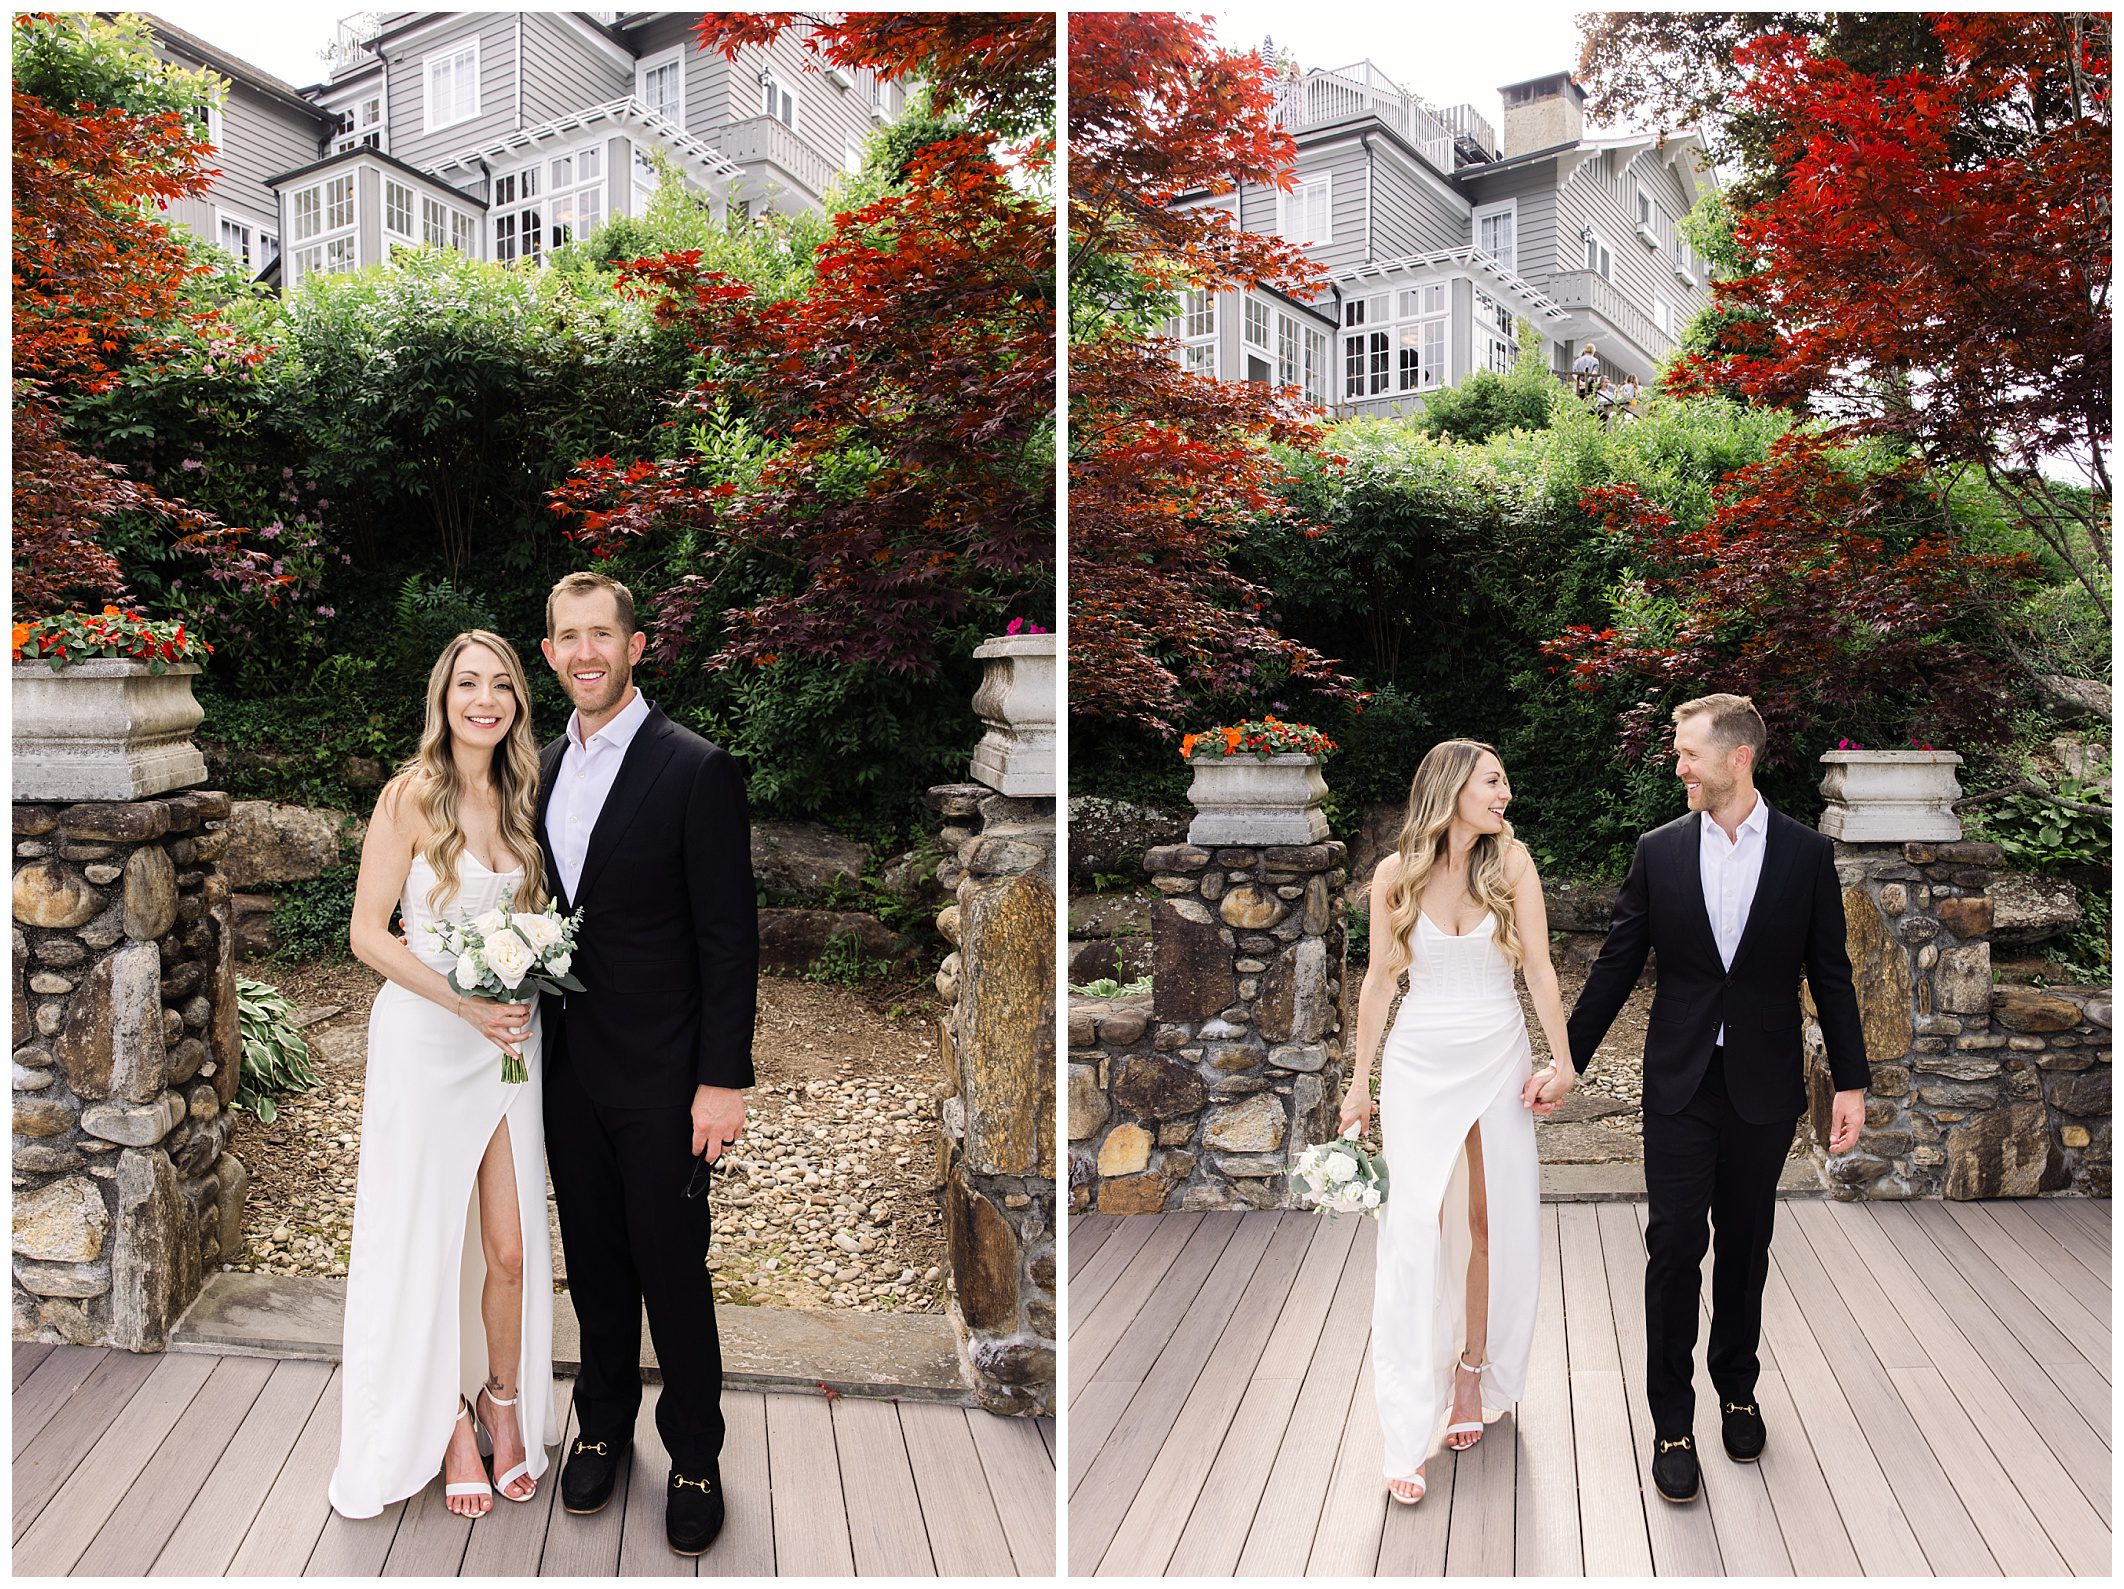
(310,918)
(843,963)
(276,1059)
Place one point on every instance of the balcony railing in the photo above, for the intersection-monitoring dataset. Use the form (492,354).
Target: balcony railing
(1585,289)
(1363,90)
(768,138)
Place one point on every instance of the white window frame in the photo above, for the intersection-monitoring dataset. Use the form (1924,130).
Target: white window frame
(1382,328)
(409,232)
(773,85)
(1484,212)
(1255,313)
(428,119)
(851,152)
(1198,305)
(1605,250)
(1682,258)
(675,56)
(1497,334)
(1663,316)
(1290,216)
(249,256)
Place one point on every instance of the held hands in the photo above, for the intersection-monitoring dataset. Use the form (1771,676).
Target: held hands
(1357,1106)
(1846,1115)
(503,1025)
(718,1117)
(1545,1089)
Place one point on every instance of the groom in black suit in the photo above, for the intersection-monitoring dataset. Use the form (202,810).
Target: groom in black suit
(644,828)
(1738,899)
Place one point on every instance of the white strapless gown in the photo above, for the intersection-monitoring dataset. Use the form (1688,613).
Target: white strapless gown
(1456,1054)
(414,1341)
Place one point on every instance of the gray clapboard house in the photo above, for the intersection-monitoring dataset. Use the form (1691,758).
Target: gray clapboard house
(503,134)
(1439,236)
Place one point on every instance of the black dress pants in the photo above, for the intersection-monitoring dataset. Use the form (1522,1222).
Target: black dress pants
(1705,1159)
(632,1238)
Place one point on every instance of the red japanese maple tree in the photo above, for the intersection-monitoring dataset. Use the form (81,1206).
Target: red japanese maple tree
(100,283)
(1826,592)
(903,396)
(1935,259)
(1167,467)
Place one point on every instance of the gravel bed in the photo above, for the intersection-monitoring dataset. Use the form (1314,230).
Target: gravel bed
(831,1199)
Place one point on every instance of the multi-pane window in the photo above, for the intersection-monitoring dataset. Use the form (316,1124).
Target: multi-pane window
(1307,217)
(1496,234)
(519,215)
(434,223)
(575,184)
(1599,258)
(1301,357)
(463,236)
(236,239)
(1663,315)
(1395,341)
(660,84)
(1257,323)
(1644,209)
(1495,334)
(398,208)
(778,99)
(360,125)
(1682,257)
(451,84)
(1198,331)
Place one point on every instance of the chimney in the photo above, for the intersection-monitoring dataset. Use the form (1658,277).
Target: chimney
(1542,113)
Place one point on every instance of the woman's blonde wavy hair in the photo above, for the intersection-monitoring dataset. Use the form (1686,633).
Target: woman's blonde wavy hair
(429,777)
(1434,794)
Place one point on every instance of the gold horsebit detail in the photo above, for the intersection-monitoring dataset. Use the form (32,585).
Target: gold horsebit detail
(1742,1406)
(699,1484)
(1683,1442)
(587,1445)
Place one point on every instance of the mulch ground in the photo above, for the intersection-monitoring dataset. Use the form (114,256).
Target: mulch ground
(831,1199)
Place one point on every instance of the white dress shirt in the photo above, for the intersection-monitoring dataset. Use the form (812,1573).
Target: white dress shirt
(1731,869)
(586,776)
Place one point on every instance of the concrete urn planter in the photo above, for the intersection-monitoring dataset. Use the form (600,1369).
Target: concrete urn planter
(104,729)
(1252,800)
(1891,796)
(1016,700)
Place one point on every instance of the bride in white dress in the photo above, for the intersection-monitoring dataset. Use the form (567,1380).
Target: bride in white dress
(1454,909)
(449,1317)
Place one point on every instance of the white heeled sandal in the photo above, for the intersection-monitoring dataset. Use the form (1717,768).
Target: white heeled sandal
(1476,1427)
(522,1470)
(481,1487)
(1398,1498)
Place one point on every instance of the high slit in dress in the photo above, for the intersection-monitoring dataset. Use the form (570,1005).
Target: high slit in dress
(433,1098)
(1456,1055)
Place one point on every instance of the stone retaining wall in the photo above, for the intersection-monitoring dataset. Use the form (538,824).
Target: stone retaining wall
(999,1118)
(1206,1095)
(1976,1090)
(127,1054)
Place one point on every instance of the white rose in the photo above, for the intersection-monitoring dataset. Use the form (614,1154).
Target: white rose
(467,972)
(1371,1197)
(509,957)
(1342,1168)
(559,964)
(489,922)
(540,931)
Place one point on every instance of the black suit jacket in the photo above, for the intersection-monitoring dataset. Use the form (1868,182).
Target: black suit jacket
(669,950)
(1795,922)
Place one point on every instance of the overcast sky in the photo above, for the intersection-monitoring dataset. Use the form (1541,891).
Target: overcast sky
(283,40)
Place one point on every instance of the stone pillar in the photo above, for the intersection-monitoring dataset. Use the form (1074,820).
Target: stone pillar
(127,1053)
(1240,1066)
(1976,1090)
(999,1049)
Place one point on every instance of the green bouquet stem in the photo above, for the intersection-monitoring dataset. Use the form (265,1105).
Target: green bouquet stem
(513,1069)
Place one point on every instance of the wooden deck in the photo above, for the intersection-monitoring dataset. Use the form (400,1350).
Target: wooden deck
(198,1465)
(1935,1379)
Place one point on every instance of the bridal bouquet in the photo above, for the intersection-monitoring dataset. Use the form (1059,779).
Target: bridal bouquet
(506,955)
(1340,1177)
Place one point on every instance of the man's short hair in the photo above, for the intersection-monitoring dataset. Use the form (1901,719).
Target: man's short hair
(581,583)
(1732,720)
